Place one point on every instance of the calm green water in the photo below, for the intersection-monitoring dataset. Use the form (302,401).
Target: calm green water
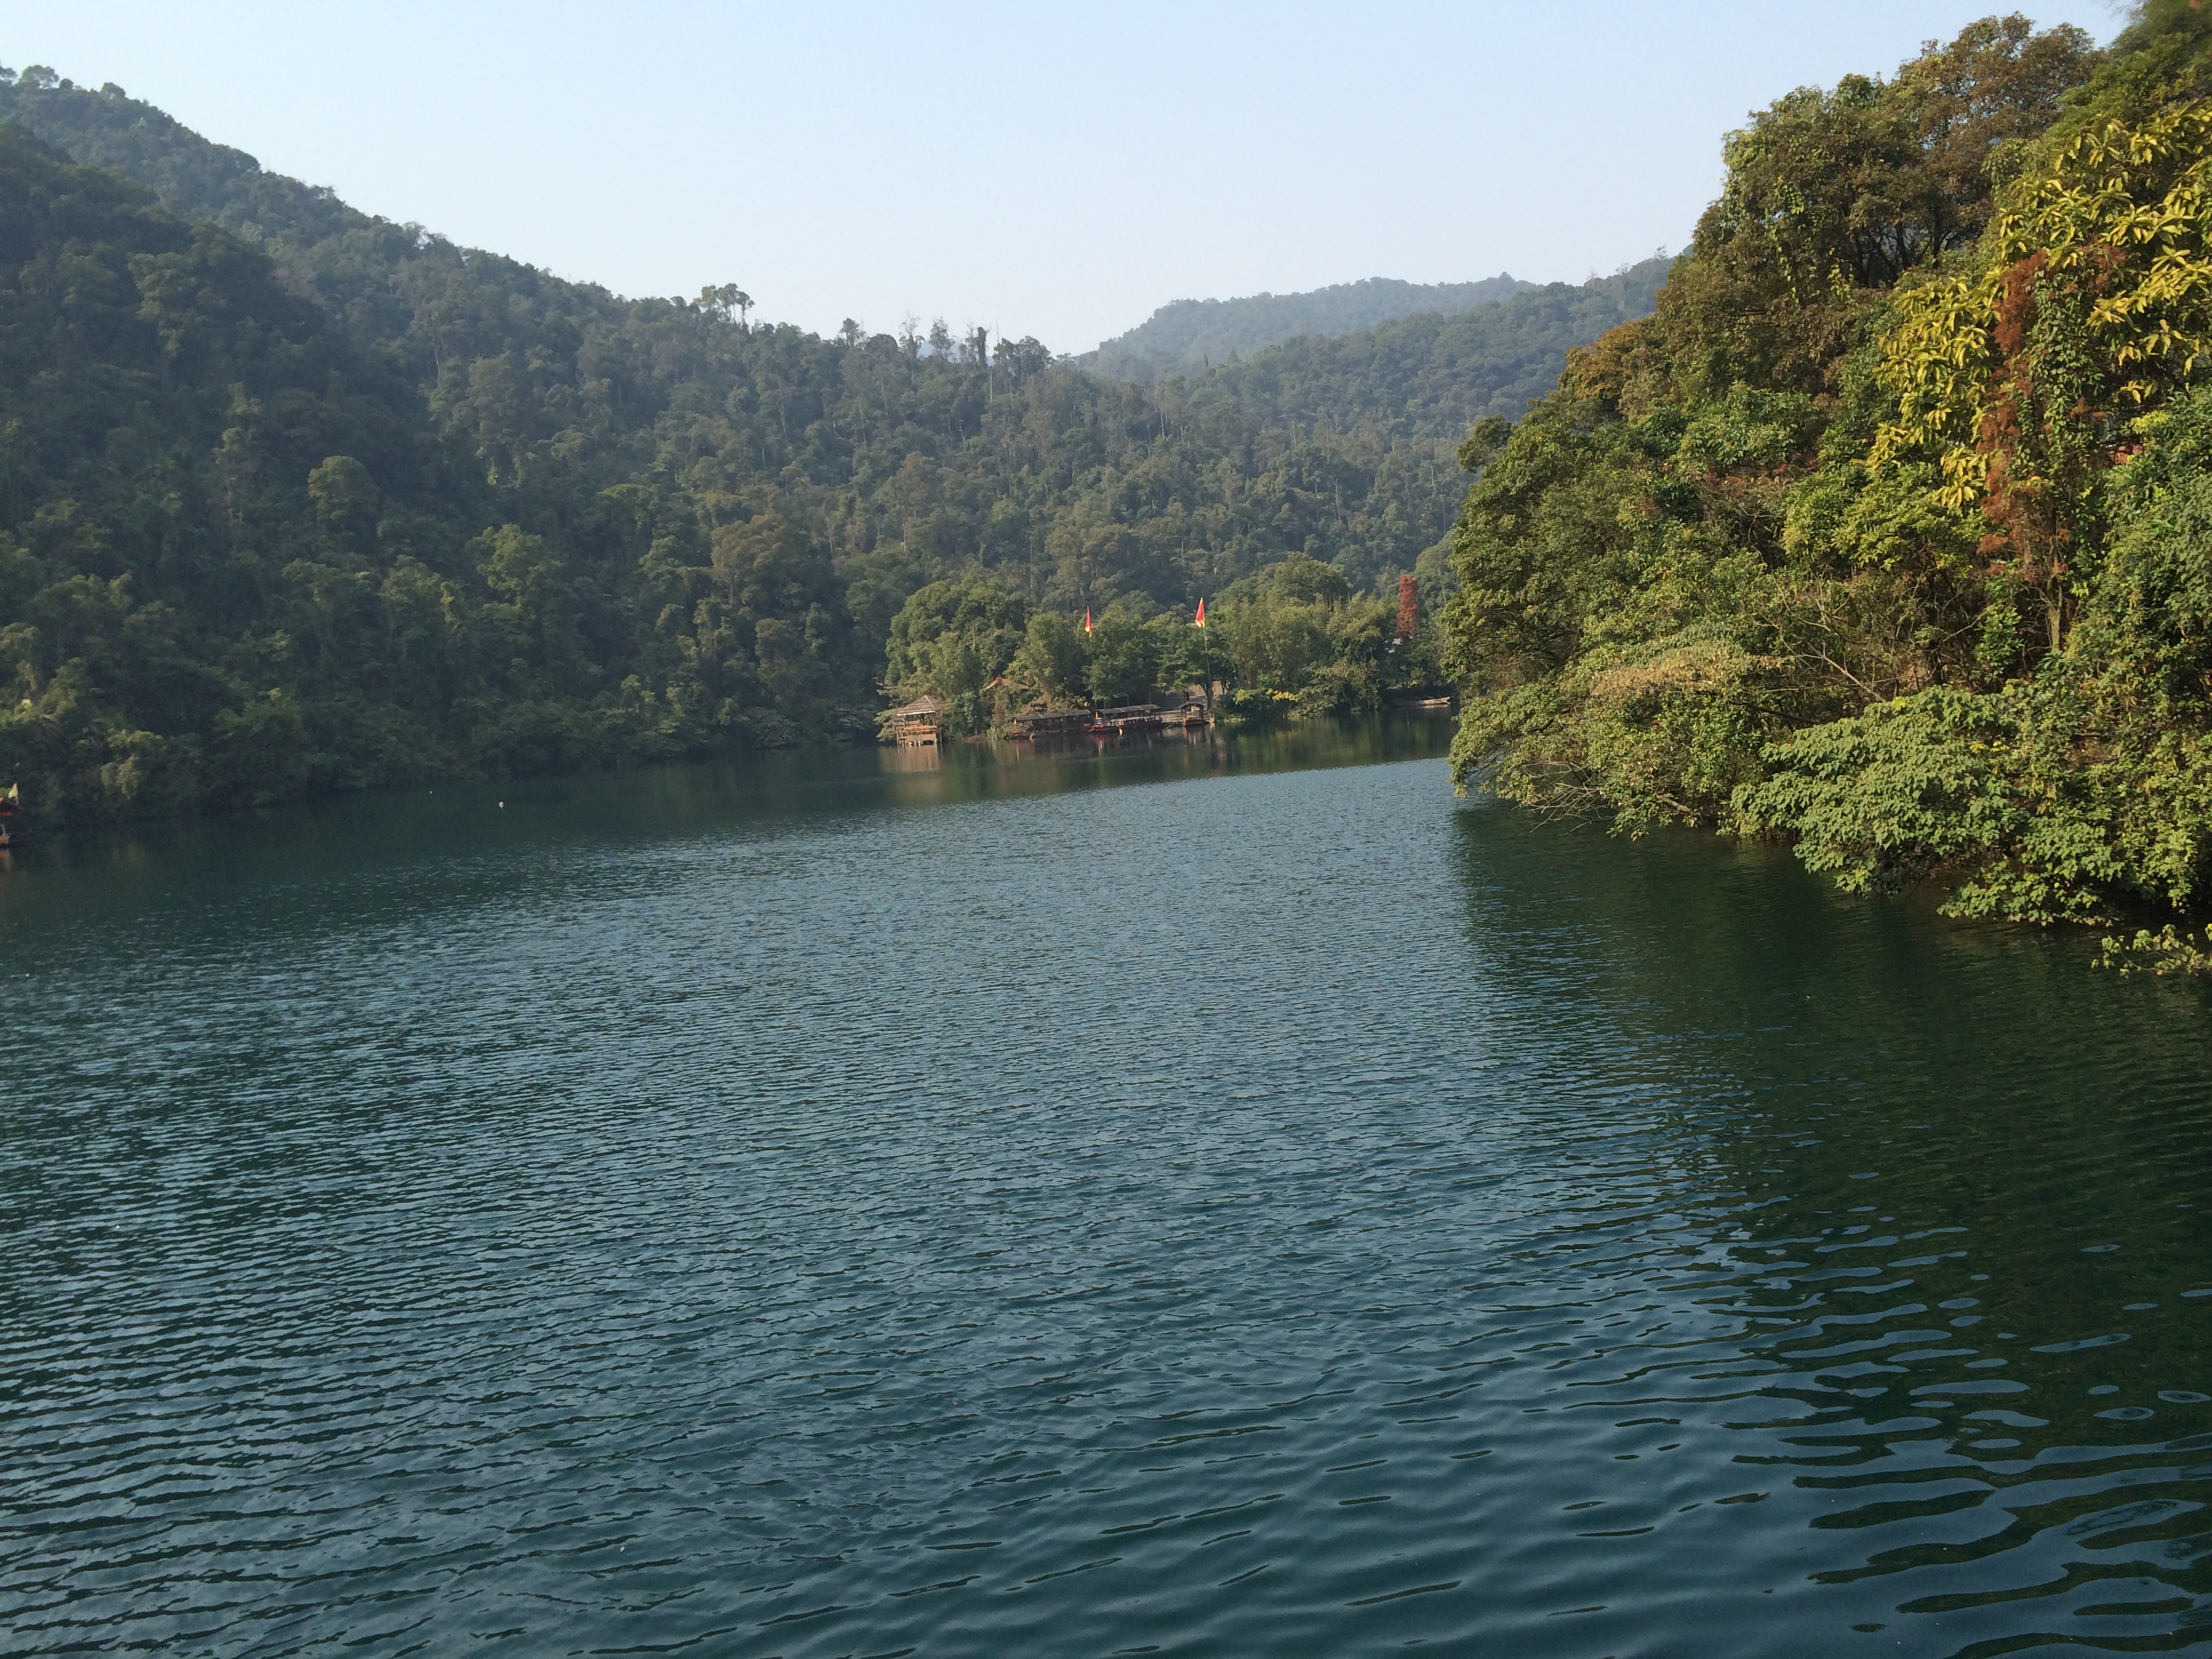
(1213,1201)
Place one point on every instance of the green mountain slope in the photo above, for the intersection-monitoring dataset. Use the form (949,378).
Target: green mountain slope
(1187,337)
(394,510)
(231,531)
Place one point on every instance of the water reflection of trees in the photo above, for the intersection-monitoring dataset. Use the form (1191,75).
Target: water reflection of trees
(1954,1181)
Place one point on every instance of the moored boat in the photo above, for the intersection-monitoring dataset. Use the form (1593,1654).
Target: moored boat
(1128,717)
(1048,723)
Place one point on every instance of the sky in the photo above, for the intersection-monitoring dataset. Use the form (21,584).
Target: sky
(1055,170)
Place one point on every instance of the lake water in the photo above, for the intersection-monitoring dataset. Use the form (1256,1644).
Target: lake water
(1220,1199)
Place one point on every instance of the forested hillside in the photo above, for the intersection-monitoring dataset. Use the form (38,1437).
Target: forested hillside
(1890,530)
(1187,337)
(296,499)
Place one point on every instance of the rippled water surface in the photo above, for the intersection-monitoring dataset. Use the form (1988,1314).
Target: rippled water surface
(1173,1205)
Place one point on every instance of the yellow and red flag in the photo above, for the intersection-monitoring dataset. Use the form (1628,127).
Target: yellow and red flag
(1200,622)
(1086,622)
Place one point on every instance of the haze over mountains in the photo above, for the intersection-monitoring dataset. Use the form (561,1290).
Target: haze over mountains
(299,498)
(1187,335)
(202,179)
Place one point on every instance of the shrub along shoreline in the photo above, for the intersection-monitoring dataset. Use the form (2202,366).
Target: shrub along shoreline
(1294,639)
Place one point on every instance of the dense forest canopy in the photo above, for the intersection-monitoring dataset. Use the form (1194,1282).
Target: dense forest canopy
(294,498)
(1185,335)
(1891,529)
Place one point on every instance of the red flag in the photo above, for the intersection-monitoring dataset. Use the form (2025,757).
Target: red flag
(1086,622)
(1200,622)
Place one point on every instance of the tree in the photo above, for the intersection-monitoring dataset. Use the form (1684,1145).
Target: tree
(950,639)
(346,502)
(1123,661)
(1053,658)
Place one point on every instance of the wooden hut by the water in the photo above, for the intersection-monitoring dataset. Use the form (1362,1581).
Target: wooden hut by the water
(920,721)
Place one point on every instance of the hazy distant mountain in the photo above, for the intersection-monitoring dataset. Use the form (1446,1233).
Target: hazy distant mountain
(1188,335)
(1426,376)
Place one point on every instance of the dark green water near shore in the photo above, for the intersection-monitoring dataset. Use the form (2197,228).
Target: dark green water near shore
(1215,1199)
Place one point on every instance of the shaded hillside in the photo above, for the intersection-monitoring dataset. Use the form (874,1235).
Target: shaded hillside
(197,460)
(1188,336)
(342,504)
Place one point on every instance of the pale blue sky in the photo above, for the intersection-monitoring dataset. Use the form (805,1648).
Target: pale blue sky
(1047,169)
